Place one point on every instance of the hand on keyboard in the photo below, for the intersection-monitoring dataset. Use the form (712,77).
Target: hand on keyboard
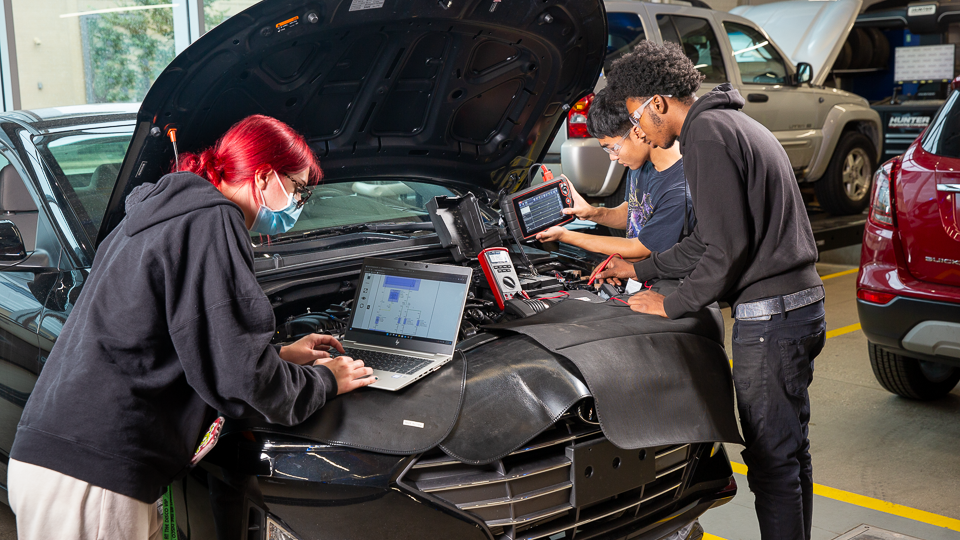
(350,374)
(394,363)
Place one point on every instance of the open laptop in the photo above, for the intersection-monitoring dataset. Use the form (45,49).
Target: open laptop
(406,318)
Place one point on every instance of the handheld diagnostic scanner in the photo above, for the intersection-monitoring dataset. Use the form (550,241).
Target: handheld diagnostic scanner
(538,208)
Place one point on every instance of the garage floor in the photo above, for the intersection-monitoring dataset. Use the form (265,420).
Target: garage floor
(870,448)
(879,460)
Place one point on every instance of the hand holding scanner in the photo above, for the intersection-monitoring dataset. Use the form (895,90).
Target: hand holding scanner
(501,275)
(538,208)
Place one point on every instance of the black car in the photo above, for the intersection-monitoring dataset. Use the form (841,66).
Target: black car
(411,106)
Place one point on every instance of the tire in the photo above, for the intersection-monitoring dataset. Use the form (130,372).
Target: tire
(844,188)
(881,48)
(843,59)
(861,47)
(912,378)
(615,200)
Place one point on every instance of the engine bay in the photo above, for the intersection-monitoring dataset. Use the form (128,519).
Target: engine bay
(548,280)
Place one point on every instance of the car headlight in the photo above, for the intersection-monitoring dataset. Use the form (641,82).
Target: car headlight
(275,531)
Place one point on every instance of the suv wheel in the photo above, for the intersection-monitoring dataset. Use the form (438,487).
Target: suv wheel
(845,188)
(912,378)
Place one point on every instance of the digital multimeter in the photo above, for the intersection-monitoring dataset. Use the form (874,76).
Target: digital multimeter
(538,208)
(501,275)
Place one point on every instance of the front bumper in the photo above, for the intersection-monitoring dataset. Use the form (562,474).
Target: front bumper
(922,329)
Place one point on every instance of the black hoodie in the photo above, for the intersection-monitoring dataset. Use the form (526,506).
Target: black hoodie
(171,324)
(753,238)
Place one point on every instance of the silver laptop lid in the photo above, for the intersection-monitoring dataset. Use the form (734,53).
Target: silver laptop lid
(409,305)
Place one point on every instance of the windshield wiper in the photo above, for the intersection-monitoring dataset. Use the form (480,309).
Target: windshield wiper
(379,227)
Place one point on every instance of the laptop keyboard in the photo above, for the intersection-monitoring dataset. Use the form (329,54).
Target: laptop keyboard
(394,363)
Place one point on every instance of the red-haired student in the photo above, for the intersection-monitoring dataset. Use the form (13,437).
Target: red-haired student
(171,326)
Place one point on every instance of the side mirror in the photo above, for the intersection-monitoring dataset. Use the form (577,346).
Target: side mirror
(804,73)
(11,243)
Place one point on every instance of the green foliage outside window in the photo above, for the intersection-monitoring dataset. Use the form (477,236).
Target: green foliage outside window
(125,52)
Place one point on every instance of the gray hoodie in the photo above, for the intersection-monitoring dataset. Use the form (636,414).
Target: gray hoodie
(171,326)
(753,238)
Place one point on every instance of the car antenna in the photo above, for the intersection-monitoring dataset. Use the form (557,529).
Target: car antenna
(172,135)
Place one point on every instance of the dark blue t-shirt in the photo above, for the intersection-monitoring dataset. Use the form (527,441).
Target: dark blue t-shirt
(655,206)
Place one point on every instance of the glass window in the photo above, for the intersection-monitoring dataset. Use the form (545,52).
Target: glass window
(358,202)
(758,61)
(85,165)
(73,52)
(217,11)
(942,138)
(625,30)
(699,43)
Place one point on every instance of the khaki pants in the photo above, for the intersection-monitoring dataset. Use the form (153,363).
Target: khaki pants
(52,505)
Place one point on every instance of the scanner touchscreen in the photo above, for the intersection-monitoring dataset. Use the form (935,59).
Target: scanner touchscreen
(541,210)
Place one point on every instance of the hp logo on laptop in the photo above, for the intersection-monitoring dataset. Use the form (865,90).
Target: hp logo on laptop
(397,342)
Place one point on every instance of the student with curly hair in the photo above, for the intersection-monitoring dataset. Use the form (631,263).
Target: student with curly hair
(753,248)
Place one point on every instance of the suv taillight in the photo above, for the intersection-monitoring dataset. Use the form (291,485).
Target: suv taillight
(881,202)
(577,118)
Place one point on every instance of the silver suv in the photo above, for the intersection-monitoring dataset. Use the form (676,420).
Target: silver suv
(832,137)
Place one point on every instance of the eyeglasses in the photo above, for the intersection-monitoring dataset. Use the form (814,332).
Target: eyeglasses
(615,149)
(302,192)
(638,114)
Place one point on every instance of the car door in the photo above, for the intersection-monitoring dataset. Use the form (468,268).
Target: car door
(697,36)
(23,289)
(763,76)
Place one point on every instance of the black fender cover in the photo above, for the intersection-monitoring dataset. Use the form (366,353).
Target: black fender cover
(409,421)
(655,381)
(515,389)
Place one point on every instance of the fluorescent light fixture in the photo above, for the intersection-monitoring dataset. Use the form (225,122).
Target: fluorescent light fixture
(118,10)
(755,47)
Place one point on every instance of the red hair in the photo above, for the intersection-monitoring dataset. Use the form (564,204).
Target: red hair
(250,145)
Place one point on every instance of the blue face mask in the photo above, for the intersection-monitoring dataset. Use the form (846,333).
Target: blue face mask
(269,221)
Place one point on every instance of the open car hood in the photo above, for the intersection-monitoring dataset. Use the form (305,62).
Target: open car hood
(448,91)
(810,31)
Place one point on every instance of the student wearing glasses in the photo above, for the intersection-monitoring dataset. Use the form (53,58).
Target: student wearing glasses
(653,211)
(754,249)
(171,328)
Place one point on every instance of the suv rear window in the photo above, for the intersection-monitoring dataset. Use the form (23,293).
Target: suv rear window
(698,41)
(943,136)
(624,31)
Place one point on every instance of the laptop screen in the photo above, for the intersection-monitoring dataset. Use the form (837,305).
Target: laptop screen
(413,305)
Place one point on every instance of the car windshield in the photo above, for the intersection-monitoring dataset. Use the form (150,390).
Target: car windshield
(86,164)
(360,202)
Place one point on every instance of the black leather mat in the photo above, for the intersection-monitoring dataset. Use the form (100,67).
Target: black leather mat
(408,421)
(515,390)
(655,381)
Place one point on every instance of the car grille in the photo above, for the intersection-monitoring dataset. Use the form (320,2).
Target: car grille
(528,494)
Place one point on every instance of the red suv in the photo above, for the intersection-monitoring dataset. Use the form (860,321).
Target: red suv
(908,289)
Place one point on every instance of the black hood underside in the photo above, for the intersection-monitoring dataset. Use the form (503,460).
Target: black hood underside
(442,90)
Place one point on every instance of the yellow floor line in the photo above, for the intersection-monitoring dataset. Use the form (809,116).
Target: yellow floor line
(844,330)
(874,504)
(708,536)
(838,274)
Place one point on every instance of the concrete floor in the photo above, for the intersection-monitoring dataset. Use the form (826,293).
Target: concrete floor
(865,441)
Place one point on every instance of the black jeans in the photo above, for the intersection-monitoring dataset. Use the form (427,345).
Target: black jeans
(772,369)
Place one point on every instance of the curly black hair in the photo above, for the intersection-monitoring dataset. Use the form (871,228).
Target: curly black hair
(607,117)
(653,69)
